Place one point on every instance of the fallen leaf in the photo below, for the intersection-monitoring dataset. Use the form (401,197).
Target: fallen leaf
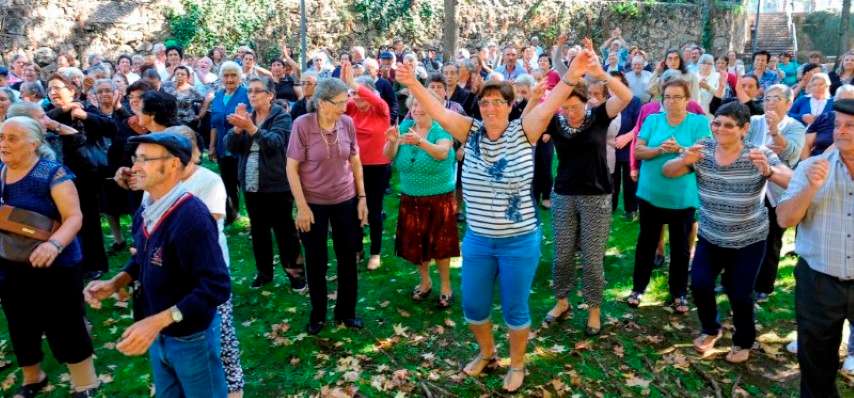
(9,382)
(619,351)
(105,378)
(266,293)
(635,381)
(403,313)
(385,304)
(583,345)
(400,330)
(449,323)
(557,348)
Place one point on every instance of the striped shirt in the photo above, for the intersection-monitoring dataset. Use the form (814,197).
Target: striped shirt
(497,176)
(732,211)
(824,239)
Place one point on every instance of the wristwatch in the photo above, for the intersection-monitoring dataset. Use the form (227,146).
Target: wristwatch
(177,316)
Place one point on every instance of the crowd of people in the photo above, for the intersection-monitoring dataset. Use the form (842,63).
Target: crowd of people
(726,154)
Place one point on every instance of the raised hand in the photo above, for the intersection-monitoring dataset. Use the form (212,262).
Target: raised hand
(760,161)
(539,90)
(392,134)
(692,154)
(817,173)
(405,75)
(670,146)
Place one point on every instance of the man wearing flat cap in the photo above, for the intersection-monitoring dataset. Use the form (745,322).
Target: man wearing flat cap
(820,201)
(179,274)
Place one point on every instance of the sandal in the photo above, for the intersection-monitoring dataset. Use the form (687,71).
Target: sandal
(480,364)
(418,294)
(680,305)
(738,354)
(553,319)
(508,378)
(634,299)
(32,389)
(702,344)
(445,300)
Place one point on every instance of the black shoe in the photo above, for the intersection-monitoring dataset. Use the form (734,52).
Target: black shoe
(313,328)
(230,218)
(116,248)
(461,217)
(631,216)
(261,281)
(658,262)
(32,389)
(352,323)
(297,282)
(92,392)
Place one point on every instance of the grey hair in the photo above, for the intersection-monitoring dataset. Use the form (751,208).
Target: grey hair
(92,57)
(71,73)
(36,132)
(230,66)
(784,90)
(411,100)
(105,81)
(706,58)
(822,76)
(843,90)
(309,73)
(24,108)
(371,63)
(466,63)
(9,93)
(326,90)
(33,88)
(525,80)
(497,76)
(366,81)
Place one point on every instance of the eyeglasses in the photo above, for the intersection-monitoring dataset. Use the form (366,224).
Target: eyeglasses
(104,91)
(305,84)
(674,97)
(773,98)
(142,159)
(257,91)
(727,125)
(337,103)
(495,102)
(55,88)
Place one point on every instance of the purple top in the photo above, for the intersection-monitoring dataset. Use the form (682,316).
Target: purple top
(324,171)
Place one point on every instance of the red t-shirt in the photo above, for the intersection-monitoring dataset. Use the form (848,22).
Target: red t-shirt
(371,126)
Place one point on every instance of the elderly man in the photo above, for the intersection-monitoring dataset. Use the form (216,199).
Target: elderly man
(510,68)
(638,78)
(820,201)
(178,284)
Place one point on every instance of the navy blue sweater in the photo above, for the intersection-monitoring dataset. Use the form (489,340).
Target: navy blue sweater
(180,263)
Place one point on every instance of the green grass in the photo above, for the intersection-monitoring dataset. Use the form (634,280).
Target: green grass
(410,348)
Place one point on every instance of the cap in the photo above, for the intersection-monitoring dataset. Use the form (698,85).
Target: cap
(386,55)
(845,106)
(4,71)
(177,145)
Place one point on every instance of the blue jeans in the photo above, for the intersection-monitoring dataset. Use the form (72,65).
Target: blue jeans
(513,263)
(189,366)
(740,268)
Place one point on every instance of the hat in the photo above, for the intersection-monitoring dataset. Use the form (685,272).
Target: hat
(4,71)
(386,55)
(177,145)
(845,106)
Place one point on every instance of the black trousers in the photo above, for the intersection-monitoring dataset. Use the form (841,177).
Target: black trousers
(376,181)
(622,178)
(228,172)
(679,222)
(542,185)
(344,221)
(773,245)
(822,304)
(91,235)
(44,302)
(271,212)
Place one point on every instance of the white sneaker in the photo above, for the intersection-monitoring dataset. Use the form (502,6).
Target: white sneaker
(848,365)
(793,347)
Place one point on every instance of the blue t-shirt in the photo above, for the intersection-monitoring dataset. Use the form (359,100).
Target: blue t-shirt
(653,186)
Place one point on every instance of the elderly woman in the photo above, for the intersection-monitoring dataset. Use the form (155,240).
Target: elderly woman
(709,79)
(818,101)
(307,83)
(225,103)
(819,134)
(582,193)
(325,176)
(30,75)
(33,183)
(7,98)
(673,61)
(259,140)
(370,115)
(523,89)
(81,129)
(663,200)
(502,244)
(844,74)
(731,176)
(124,66)
(423,154)
(789,66)
(785,136)
(285,80)
(191,105)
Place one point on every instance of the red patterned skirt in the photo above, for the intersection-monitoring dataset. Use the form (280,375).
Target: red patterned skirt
(427,228)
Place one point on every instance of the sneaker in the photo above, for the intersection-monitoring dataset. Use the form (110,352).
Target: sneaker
(848,365)
(298,285)
(261,280)
(793,348)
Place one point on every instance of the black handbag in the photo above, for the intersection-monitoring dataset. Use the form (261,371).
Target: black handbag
(21,231)
(93,153)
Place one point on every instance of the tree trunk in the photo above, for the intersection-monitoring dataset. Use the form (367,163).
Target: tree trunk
(449,30)
(843,28)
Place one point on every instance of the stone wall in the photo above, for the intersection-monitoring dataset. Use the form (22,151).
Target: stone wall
(113,27)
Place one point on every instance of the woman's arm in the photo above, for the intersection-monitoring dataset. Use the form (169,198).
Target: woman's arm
(809,142)
(438,151)
(358,179)
(392,143)
(454,123)
(64,195)
(684,164)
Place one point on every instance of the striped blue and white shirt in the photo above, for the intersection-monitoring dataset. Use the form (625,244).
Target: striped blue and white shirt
(497,178)
(825,238)
(732,211)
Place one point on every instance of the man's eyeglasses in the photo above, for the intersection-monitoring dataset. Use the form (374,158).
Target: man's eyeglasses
(257,91)
(142,159)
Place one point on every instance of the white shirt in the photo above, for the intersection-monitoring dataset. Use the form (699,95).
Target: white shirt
(713,80)
(817,106)
(639,84)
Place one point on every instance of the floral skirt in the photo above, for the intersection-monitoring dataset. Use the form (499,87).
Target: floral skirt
(427,228)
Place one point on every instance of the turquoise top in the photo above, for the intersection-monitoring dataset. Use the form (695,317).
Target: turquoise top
(420,173)
(653,186)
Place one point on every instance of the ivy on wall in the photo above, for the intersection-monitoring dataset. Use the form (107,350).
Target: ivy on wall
(198,26)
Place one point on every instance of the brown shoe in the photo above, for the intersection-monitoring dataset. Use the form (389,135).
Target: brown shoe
(706,342)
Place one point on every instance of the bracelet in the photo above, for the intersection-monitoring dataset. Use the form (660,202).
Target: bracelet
(56,244)
(568,83)
(770,173)
(362,196)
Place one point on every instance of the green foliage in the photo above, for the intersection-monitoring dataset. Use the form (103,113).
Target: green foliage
(384,16)
(232,23)
(822,28)
(626,9)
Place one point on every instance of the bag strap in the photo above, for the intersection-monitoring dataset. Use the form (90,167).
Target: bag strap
(2,183)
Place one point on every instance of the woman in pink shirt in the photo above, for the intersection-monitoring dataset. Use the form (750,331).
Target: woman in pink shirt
(370,114)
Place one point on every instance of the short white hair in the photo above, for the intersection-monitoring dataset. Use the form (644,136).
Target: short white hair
(230,66)
(525,80)
(845,91)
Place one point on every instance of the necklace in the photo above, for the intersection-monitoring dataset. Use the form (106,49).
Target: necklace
(327,141)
